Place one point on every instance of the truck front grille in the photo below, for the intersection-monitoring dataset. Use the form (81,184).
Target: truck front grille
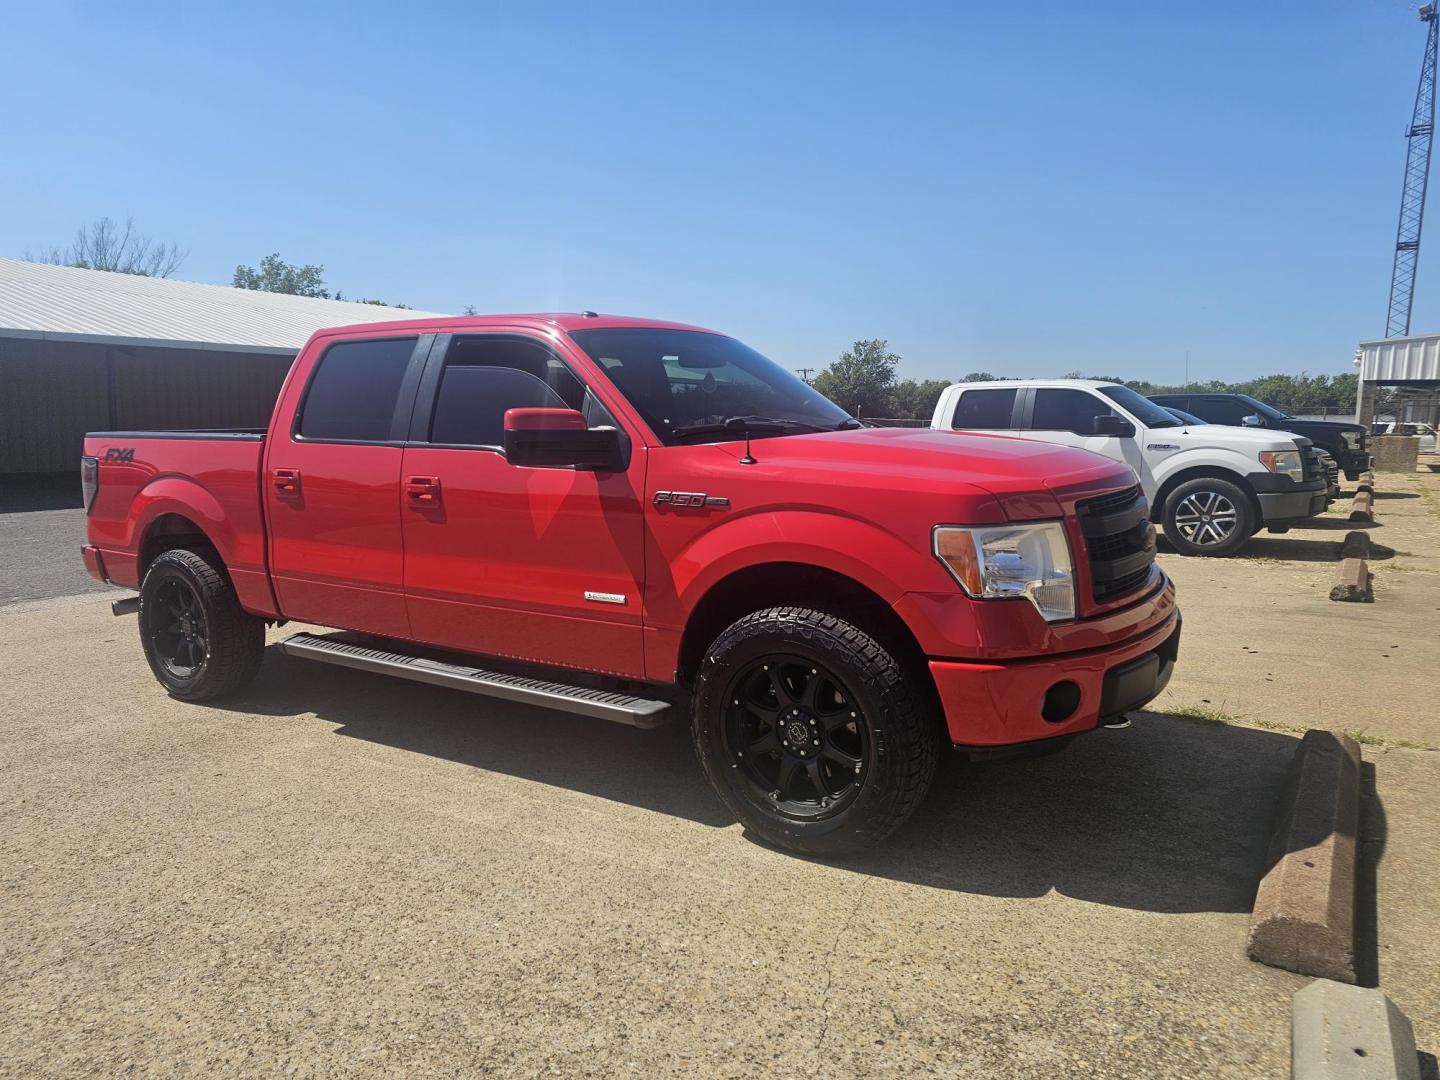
(1119,542)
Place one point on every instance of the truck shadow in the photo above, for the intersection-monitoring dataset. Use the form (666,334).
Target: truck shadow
(1296,549)
(1172,815)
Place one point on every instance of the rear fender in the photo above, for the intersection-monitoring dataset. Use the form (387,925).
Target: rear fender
(241,551)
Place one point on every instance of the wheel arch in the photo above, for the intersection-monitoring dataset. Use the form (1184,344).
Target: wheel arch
(1202,472)
(776,584)
(172,529)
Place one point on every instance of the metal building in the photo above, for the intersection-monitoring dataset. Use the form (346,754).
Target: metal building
(86,350)
(1409,364)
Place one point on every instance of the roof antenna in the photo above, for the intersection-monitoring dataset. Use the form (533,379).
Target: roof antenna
(749,458)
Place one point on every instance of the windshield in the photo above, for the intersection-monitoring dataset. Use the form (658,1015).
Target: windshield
(687,384)
(1141,408)
(1182,415)
(1269,412)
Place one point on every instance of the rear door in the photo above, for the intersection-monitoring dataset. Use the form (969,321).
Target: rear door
(331,485)
(987,409)
(542,565)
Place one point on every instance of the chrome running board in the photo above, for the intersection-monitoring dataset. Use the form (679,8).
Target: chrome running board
(586,701)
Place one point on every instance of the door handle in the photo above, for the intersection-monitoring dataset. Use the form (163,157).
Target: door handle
(286,481)
(423,489)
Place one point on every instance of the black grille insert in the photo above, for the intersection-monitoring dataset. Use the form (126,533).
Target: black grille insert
(1119,542)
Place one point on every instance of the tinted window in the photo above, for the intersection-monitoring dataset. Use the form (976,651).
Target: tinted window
(1067,410)
(354,390)
(687,379)
(484,377)
(1259,408)
(1141,408)
(1220,410)
(985,409)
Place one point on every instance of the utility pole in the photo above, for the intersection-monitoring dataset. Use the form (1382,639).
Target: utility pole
(804,373)
(1412,194)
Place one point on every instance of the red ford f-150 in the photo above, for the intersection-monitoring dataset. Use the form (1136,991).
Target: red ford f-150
(625,518)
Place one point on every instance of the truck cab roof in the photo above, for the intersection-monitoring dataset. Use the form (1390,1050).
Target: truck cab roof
(566,321)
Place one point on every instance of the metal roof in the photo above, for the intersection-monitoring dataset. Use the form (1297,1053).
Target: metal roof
(1407,359)
(64,303)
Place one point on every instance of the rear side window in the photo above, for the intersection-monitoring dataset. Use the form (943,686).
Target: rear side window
(1067,410)
(985,409)
(355,389)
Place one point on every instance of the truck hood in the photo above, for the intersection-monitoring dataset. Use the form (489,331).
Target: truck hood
(1322,425)
(1014,471)
(1224,437)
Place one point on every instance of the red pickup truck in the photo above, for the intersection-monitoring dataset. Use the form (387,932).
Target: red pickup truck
(626,518)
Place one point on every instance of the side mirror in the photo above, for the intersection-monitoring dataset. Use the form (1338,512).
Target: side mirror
(559,439)
(1110,424)
(1251,421)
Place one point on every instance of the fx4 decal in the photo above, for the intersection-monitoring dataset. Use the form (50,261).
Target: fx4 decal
(120,454)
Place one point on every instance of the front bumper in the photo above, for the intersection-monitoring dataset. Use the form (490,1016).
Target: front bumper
(1004,704)
(1283,501)
(1353,462)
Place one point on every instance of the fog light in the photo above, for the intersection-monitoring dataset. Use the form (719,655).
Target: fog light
(1061,701)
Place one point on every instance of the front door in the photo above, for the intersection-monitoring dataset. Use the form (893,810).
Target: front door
(331,487)
(541,565)
(1067,416)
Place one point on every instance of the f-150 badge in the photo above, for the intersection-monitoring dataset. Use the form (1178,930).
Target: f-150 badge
(689,499)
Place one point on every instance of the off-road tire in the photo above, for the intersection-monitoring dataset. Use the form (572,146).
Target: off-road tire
(1182,501)
(901,728)
(234,640)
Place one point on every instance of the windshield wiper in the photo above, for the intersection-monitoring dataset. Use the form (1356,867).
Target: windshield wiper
(746,425)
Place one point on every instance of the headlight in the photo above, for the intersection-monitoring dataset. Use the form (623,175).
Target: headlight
(1283,463)
(1351,439)
(1012,562)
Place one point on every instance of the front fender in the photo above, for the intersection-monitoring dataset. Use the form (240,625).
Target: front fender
(876,558)
(1232,462)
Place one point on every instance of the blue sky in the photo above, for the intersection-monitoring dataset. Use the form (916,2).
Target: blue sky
(1019,188)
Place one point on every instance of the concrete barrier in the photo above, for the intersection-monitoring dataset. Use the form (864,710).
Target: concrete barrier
(1304,914)
(1356,545)
(1340,1032)
(1363,508)
(1355,585)
(1395,453)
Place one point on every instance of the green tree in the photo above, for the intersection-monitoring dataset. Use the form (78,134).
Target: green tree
(276,275)
(861,381)
(913,400)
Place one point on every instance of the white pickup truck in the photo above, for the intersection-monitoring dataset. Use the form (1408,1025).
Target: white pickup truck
(1211,487)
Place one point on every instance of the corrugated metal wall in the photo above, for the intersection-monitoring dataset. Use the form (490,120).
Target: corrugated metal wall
(52,392)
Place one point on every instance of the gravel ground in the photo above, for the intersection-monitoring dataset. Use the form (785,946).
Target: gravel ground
(339,874)
(343,874)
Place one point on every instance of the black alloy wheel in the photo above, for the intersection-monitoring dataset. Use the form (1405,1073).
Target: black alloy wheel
(178,629)
(797,735)
(200,643)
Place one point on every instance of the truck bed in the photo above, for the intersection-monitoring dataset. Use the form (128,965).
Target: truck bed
(158,484)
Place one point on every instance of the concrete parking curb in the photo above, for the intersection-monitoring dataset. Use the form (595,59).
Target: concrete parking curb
(1363,508)
(1340,1032)
(1304,914)
(1355,583)
(1356,545)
